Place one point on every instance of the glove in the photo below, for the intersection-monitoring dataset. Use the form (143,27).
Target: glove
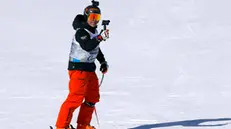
(104,67)
(104,35)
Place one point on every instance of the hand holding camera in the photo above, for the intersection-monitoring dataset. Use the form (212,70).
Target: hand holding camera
(104,34)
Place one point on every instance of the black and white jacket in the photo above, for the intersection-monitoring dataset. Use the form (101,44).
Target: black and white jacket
(85,47)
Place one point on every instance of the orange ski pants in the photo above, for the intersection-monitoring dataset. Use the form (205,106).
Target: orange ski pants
(82,86)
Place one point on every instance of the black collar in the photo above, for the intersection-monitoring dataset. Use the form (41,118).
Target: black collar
(91,29)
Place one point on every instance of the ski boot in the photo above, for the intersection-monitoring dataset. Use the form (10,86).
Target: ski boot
(85,127)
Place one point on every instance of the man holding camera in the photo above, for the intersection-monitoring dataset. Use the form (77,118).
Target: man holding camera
(83,84)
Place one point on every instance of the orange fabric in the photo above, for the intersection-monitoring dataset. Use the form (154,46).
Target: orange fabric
(82,86)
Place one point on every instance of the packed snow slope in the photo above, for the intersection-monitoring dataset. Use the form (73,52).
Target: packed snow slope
(169,63)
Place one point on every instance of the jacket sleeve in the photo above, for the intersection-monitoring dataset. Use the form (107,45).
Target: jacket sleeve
(100,57)
(85,41)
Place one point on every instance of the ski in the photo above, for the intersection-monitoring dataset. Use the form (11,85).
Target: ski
(72,127)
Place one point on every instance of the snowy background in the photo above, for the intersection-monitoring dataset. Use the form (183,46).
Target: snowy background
(170,63)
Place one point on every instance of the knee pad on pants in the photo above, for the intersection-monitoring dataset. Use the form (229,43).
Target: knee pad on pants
(90,104)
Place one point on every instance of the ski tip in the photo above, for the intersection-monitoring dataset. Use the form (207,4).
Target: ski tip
(72,126)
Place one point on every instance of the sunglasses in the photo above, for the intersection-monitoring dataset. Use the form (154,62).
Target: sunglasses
(94,16)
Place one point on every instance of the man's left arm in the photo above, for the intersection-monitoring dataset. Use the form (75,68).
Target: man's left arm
(102,61)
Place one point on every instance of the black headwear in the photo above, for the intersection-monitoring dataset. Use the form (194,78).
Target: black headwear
(91,9)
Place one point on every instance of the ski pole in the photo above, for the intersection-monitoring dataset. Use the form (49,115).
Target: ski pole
(101,80)
(97,118)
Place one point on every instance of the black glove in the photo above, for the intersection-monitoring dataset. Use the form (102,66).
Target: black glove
(104,67)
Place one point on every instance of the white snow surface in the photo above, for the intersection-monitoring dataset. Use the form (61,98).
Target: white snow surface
(170,63)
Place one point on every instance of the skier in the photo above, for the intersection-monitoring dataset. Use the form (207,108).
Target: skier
(83,84)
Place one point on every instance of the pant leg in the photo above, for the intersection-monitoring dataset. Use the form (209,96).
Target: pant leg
(77,88)
(91,96)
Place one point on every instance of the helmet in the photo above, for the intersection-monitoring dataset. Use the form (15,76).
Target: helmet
(91,9)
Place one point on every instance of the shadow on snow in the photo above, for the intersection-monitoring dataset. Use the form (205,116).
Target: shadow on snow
(186,123)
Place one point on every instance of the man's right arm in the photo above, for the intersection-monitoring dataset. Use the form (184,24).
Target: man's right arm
(85,41)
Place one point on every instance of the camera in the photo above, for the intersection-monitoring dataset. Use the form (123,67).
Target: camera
(105,23)
(95,3)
